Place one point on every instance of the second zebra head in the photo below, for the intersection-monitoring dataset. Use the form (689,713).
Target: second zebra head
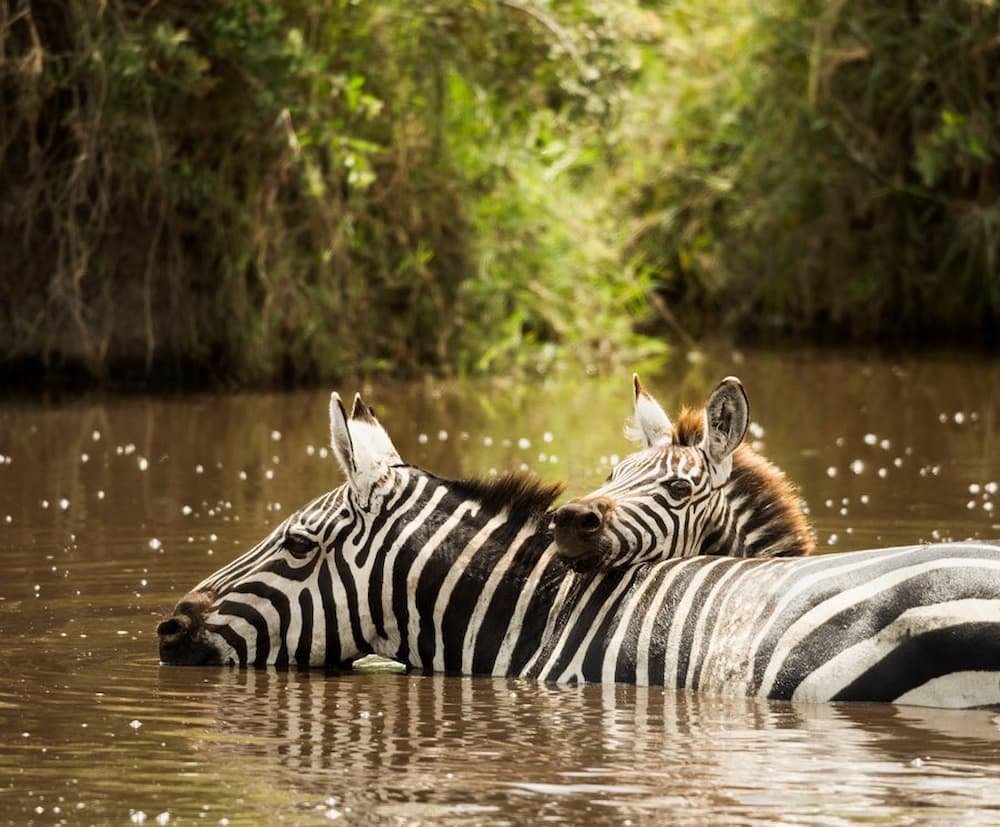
(692,488)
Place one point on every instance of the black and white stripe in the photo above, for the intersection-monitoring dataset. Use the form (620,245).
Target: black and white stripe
(692,489)
(464,577)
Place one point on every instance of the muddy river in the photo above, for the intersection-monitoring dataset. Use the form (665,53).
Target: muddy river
(112,506)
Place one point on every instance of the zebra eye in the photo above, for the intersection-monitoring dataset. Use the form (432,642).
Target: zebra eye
(679,489)
(298,545)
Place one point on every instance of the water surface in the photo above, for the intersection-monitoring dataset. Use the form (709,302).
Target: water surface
(112,507)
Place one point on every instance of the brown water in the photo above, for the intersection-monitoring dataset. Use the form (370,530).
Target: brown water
(111,508)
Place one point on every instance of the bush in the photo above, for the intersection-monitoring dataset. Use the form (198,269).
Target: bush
(260,190)
(826,170)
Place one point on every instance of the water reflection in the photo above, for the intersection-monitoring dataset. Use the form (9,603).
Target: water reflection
(412,747)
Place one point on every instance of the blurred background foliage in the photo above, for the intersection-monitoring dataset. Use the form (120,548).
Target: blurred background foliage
(255,192)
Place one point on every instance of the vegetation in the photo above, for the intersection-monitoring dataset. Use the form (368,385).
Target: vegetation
(826,168)
(257,191)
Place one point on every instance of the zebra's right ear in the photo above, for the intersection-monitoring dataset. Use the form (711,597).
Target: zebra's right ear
(651,425)
(727,417)
(340,436)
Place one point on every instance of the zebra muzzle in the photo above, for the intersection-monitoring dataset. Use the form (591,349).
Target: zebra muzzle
(181,635)
(579,525)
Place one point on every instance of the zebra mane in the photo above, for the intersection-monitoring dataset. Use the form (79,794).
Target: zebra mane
(689,427)
(525,495)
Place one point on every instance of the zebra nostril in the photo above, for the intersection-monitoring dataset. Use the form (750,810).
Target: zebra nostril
(589,522)
(173,628)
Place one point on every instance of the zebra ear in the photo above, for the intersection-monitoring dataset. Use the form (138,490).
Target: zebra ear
(727,416)
(652,425)
(340,436)
(362,446)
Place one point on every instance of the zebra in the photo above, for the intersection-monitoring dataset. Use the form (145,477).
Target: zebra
(463,577)
(693,488)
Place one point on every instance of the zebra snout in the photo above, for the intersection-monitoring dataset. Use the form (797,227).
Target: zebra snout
(181,641)
(578,525)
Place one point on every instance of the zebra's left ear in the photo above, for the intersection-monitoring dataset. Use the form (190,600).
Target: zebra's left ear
(727,416)
(651,426)
(340,436)
(362,446)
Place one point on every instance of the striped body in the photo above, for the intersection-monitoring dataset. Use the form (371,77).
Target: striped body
(913,625)
(465,577)
(691,489)
(471,591)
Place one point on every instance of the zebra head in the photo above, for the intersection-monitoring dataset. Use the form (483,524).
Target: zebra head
(682,494)
(284,589)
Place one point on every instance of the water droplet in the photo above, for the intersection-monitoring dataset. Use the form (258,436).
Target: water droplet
(857,466)
(84,457)
(100,494)
(310,450)
(422,439)
(442,436)
(959,418)
(831,472)
(882,473)
(547,436)
(991,487)
(487,441)
(243,475)
(870,439)
(96,436)
(275,436)
(524,443)
(864,498)
(63,503)
(135,724)
(155,544)
(970,504)
(143,463)
(832,540)
(269,474)
(186,510)
(199,469)
(324,452)
(45,503)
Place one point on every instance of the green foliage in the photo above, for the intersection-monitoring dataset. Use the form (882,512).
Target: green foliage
(826,169)
(286,189)
(261,191)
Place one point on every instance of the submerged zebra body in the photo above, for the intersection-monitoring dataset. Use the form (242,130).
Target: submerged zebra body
(693,488)
(464,577)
